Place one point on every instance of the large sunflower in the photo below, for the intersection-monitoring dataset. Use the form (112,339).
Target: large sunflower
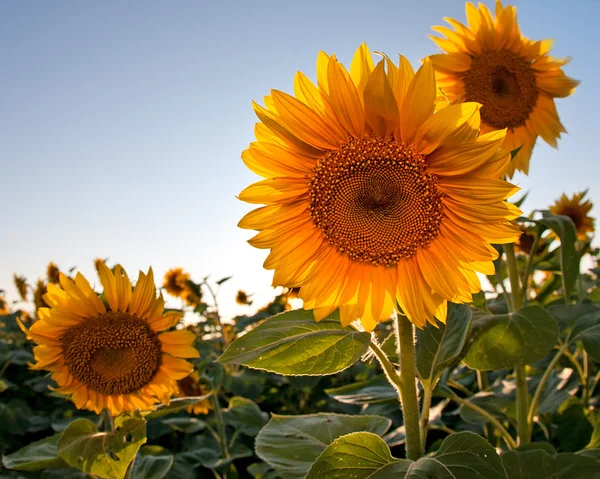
(371,199)
(111,354)
(514,78)
(578,210)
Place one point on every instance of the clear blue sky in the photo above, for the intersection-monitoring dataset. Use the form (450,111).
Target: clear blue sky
(122,123)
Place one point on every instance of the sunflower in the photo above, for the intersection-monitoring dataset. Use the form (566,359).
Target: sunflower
(371,199)
(21,285)
(192,386)
(242,298)
(577,209)
(53,273)
(514,78)
(175,282)
(4,309)
(111,353)
(38,295)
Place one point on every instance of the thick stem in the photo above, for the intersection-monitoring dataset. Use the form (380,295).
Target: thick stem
(220,425)
(408,386)
(538,392)
(527,272)
(427,394)
(107,421)
(523,429)
(510,442)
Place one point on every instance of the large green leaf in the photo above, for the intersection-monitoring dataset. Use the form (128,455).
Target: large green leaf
(439,347)
(104,454)
(37,455)
(504,340)
(152,462)
(463,455)
(292,443)
(573,429)
(245,415)
(293,343)
(359,455)
(564,228)
(373,391)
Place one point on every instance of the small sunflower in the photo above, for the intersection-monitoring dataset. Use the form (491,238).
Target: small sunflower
(191,386)
(111,354)
(53,273)
(242,298)
(21,285)
(577,209)
(371,199)
(491,62)
(525,242)
(175,282)
(38,294)
(4,310)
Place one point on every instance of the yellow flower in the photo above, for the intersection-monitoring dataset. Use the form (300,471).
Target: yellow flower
(371,199)
(491,62)
(577,209)
(242,298)
(21,285)
(175,282)
(4,310)
(111,354)
(53,273)
(191,387)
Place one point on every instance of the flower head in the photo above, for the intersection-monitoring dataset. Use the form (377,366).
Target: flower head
(577,207)
(372,200)
(242,298)
(116,353)
(192,386)
(491,62)
(175,282)
(53,273)
(21,285)
(38,295)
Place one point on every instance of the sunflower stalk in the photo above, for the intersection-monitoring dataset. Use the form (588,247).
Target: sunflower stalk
(405,337)
(220,426)
(107,421)
(523,429)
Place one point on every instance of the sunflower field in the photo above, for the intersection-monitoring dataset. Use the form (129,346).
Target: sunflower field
(427,325)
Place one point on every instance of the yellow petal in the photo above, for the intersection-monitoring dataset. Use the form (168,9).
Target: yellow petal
(419,103)
(381,109)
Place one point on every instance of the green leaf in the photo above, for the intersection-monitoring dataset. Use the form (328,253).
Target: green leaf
(291,444)
(591,341)
(573,429)
(37,455)
(185,424)
(489,401)
(504,340)
(104,454)
(439,347)
(293,343)
(15,416)
(175,405)
(463,455)
(152,462)
(372,391)
(261,470)
(245,415)
(359,455)
(3,386)
(534,464)
(564,228)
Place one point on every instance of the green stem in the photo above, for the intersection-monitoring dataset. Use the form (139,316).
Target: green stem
(527,272)
(217,315)
(408,386)
(538,392)
(427,394)
(388,368)
(586,374)
(107,421)
(595,382)
(510,442)
(483,384)
(523,430)
(220,425)
(513,273)
(456,385)
(576,366)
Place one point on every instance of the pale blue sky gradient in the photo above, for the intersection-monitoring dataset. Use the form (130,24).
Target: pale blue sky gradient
(122,123)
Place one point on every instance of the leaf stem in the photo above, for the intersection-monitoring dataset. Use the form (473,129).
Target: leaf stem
(220,425)
(540,387)
(530,259)
(576,366)
(510,442)
(388,368)
(405,336)
(427,394)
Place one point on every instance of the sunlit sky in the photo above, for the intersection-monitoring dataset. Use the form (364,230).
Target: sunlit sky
(122,123)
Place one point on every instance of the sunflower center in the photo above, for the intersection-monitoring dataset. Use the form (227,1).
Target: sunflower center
(504,83)
(374,200)
(112,354)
